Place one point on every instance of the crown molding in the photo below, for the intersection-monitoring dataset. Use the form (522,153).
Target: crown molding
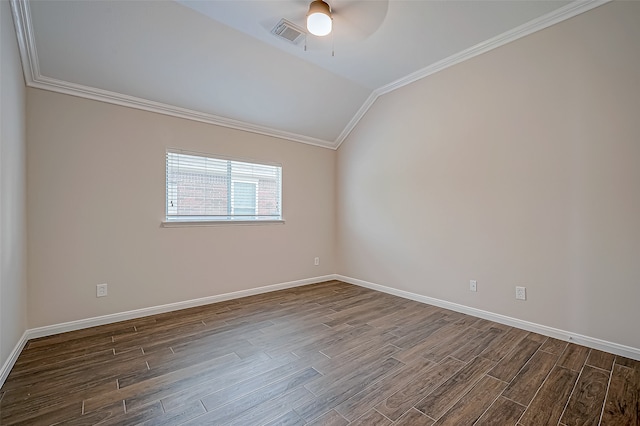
(569,11)
(545,21)
(33,77)
(26,42)
(87,92)
(356,118)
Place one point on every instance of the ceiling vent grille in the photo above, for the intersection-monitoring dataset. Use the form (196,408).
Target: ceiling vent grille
(288,31)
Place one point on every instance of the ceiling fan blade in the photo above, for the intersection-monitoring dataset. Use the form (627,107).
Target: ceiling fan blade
(359,19)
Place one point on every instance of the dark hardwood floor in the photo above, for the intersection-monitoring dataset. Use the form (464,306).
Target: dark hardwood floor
(324,354)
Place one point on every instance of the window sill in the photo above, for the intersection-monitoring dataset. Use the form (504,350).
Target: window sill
(201,223)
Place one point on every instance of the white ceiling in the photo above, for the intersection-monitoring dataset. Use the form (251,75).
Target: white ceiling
(216,61)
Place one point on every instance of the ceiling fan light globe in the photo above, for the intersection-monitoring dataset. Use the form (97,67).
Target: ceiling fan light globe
(319,22)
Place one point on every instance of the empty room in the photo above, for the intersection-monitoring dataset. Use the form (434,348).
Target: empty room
(306,212)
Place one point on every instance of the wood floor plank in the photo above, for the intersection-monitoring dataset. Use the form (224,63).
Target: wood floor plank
(340,340)
(429,342)
(40,383)
(451,344)
(414,417)
(359,404)
(510,340)
(112,329)
(511,364)
(382,312)
(132,417)
(296,340)
(328,365)
(554,346)
(330,418)
(298,314)
(84,344)
(413,313)
(585,404)
(627,362)
(415,338)
(346,342)
(600,359)
(52,357)
(474,403)
(344,389)
(353,371)
(145,370)
(52,401)
(265,372)
(377,338)
(482,324)
(278,313)
(400,402)
(413,330)
(502,412)
(484,341)
(351,314)
(574,357)
(237,389)
(447,394)
(371,418)
(180,415)
(347,301)
(539,338)
(290,418)
(548,405)
(271,409)
(240,407)
(622,406)
(42,415)
(158,387)
(291,335)
(524,386)
(208,338)
(97,417)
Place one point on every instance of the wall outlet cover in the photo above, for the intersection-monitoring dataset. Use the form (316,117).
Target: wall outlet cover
(101,290)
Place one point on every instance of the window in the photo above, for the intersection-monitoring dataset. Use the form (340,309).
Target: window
(201,188)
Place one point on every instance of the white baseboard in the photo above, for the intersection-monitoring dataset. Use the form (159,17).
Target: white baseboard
(13,356)
(49,330)
(591,342)
(145,312)
(603,345)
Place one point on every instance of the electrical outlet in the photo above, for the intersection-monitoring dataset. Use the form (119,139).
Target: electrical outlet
(316,261)
(101,290)
(521,293)
(473,285)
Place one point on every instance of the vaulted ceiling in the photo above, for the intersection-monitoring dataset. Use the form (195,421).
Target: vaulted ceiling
(218,62)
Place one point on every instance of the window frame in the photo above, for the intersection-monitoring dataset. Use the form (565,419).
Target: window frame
(171,221)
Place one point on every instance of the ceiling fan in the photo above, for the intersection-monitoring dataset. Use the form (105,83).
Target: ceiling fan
(348,21)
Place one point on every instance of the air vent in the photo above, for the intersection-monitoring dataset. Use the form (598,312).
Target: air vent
(288,31)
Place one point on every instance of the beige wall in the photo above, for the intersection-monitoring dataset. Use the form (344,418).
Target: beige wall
(13,259)
(96,194)
(518,167)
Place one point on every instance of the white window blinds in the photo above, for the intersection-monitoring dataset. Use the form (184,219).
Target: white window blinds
(204,188)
